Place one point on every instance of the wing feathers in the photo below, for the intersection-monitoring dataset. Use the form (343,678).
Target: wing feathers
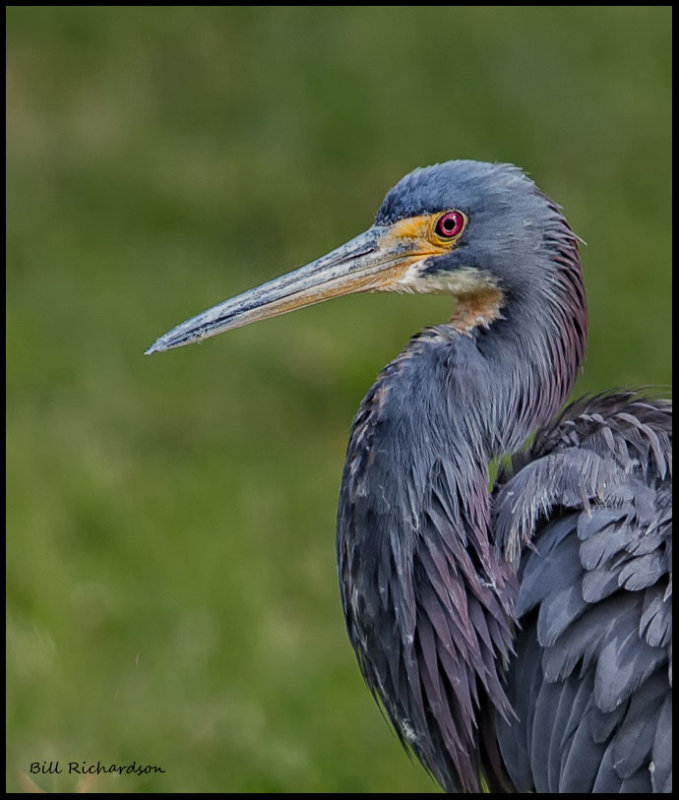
(587,521)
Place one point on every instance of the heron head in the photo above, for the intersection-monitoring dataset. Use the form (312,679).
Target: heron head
(478,231)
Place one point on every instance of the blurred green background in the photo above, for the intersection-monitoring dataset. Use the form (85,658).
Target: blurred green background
(172,591)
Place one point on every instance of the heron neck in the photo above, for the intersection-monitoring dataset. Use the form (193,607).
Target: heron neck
(419,579)
(414,541)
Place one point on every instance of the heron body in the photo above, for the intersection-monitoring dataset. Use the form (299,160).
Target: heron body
(522,635)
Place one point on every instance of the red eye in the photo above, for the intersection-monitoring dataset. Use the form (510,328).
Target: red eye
(450,224)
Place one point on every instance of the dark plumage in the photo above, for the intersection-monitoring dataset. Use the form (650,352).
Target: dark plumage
(592,502)
(522,635)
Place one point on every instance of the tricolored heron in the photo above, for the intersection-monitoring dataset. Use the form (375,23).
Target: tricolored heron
(522,635)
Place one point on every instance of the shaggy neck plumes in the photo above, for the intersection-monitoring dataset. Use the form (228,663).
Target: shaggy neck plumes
(428,603)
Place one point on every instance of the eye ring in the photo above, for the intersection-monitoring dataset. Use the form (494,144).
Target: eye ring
(450,225)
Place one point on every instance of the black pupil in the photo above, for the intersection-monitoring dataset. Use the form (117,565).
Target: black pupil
(448,224)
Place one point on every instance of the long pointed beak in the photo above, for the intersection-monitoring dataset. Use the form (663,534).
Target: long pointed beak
(373,261)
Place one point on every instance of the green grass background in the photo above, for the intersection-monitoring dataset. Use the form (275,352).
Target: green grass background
(172,591)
